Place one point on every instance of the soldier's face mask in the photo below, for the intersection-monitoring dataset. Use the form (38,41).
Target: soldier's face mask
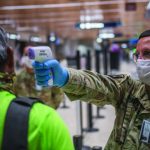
(142,58)
(143,70)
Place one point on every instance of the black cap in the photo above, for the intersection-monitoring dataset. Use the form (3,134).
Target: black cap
(3,45)
(144,34)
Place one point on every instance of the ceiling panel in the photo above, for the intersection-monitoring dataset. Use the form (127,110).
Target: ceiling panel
(45,16)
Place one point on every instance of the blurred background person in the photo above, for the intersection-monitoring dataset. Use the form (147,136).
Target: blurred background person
(114,57)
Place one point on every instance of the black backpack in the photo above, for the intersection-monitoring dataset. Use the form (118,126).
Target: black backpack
(16,124)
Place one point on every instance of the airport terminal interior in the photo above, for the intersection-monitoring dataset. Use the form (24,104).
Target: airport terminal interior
(97,35)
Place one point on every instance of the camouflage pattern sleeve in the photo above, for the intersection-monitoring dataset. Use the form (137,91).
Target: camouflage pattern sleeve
(19,84)
(93,88)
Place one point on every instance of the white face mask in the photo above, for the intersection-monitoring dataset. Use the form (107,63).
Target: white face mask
(26,61)
(143,70)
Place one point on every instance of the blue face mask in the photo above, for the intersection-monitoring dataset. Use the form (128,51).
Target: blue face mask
(143,70)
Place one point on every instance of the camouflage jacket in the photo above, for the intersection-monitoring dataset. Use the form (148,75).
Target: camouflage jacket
(25,86)
(7,81)
(130,98)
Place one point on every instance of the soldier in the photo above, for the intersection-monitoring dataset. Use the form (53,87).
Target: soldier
(25,85)
(131,98)
(46,130)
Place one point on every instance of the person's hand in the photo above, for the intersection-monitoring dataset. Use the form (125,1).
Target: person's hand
(50,69)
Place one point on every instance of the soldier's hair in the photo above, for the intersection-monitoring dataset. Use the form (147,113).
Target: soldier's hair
(3,47)
(144,34)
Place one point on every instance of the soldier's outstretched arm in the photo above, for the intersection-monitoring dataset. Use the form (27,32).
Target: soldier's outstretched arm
(79,84)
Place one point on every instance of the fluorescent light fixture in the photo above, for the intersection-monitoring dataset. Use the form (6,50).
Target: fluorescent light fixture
(6,21)
(13,36)
(82,25)
(106,35)
(97,17)
(64,5)
(27,28)
(52,38)
(99,40)
(60,5)
(87,18)
(91,25)
(82,18)
(124,45)
(35,39)
(88,26)
(97,25)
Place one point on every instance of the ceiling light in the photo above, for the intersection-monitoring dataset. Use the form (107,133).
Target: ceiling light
(106,35)
(35,39)
(62,5)
(99,40)
(87,18)
(91,25)
(6,21)
(82,26)
(27,28)
(124,45)
(13,36)
(52,38)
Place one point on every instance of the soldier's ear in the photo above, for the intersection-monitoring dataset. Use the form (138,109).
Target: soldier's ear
(9,67)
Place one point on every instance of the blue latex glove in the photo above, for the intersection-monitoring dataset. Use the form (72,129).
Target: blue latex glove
(43,73)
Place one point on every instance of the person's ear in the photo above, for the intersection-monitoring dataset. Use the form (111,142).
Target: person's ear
(9,67)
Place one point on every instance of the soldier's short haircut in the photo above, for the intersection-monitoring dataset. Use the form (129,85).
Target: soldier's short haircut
(145,34)
(3,46)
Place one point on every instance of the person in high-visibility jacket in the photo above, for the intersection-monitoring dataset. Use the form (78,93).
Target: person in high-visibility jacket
(46,129)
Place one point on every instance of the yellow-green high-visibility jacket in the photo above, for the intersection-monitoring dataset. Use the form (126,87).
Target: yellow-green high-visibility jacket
(131,99)
(46,131)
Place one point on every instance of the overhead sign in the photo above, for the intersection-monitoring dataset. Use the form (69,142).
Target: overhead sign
(87,25)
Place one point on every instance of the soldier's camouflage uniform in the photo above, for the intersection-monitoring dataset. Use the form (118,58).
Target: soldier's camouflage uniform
(130,98)
(7,81)
(25,86)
